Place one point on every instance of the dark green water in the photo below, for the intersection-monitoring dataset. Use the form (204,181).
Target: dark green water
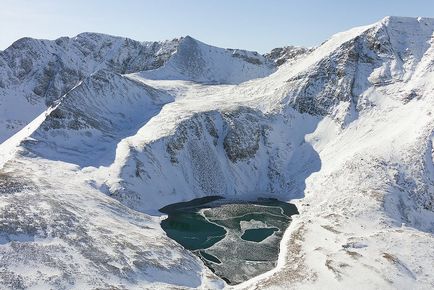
(258,235)
(188,227)
(192,231)
(236,239)
(209,257)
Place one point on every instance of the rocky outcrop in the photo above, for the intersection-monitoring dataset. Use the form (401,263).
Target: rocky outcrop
(281,55)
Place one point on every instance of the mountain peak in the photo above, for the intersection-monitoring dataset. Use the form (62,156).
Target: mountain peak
(189,38)
(405,19)
(88,34)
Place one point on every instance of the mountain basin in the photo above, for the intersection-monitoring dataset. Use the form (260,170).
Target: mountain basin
(236,239)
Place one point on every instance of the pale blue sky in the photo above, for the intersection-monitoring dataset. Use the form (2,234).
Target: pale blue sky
(250,24)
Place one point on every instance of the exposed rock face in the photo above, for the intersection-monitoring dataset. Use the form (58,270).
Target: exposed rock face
(281,55)
(369,59)
(244,132)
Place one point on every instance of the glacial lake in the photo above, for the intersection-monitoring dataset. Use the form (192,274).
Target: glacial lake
(236,239)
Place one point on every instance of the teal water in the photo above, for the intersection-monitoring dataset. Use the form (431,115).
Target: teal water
(185,225)
(258,235)
(192,230)
(236,239)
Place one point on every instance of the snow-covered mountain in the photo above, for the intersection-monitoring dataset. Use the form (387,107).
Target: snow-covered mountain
(196,61)
(34,74)
(112,129)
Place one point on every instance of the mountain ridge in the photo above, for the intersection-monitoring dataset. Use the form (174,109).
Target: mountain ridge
(38,72)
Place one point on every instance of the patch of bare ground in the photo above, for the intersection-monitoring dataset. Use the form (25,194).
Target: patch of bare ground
(294,269)
(399,265)
(331,229)
(336,267)
(375,270)
(353,254)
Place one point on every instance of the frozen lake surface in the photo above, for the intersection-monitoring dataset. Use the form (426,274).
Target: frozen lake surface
(236,239)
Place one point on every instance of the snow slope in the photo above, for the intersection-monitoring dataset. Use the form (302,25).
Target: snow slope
(91,119)
(344,130)
(196,61)
(34,74)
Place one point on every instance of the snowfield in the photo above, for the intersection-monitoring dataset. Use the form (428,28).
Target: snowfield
(99,132)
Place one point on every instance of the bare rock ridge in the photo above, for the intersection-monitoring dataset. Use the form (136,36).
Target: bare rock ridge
(382,54)
(281,55)
(99,132)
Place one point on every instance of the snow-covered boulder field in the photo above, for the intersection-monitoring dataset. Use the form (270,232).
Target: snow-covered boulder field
(99,132)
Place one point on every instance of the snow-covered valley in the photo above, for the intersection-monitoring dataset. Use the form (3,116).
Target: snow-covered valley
(99,132)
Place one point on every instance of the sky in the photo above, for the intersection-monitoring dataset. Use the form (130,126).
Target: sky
(248,24)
